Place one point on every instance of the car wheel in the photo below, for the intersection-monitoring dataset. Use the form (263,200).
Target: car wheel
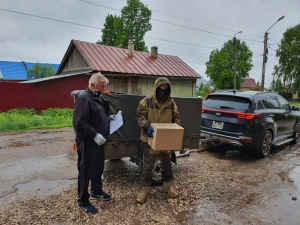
(297,134)
(266,145)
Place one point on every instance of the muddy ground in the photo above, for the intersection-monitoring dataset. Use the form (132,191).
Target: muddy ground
(217,185)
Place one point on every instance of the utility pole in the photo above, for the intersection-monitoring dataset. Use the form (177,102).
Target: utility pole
(265,58)
(234,46)
(234,71)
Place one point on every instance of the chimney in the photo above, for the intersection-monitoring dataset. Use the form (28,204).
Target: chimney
(130,48)
(154,51)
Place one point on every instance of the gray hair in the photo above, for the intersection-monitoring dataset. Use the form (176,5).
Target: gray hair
(98,78)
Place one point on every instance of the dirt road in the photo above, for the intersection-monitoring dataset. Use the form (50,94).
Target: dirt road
(38,186)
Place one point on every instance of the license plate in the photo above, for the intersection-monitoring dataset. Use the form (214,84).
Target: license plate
(218,125)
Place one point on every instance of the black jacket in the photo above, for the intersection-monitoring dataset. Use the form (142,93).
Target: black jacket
(91,116)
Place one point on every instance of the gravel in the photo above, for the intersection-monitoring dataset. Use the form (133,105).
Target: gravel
(196,177)
(214,188)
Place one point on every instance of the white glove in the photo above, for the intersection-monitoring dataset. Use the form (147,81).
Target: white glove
(112,117)
(99,139)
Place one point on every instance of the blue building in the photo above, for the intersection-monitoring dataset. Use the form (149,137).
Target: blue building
(16,71)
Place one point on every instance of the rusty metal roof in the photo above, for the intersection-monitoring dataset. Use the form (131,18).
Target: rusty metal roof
(248,83)
(116,60)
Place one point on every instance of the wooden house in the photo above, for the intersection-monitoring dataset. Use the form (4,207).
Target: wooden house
(129,71)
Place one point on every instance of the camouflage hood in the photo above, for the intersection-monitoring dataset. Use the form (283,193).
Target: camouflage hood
(158,82)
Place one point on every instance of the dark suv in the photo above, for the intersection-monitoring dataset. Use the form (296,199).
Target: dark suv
(252,119)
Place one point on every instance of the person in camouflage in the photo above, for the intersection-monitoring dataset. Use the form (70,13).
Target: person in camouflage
(156,108)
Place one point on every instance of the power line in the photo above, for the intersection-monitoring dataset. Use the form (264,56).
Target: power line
(163,13)
(198,56)
(103,6)
(42,17)
(174,24)
(196,53)
(275,36)
(177,52)
(177,42)
(192,20)
(272,49)
(275,43)
(83,25)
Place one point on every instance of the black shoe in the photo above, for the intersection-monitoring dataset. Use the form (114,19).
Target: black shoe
(89,208)
(103,196)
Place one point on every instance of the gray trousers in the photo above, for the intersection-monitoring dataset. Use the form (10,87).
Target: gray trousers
(148,164)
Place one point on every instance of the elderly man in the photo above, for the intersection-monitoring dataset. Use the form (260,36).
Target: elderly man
(91,125)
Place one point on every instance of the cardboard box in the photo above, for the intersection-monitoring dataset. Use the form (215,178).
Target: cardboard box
(166,136)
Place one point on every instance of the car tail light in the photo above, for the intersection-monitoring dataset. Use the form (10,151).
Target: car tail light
(246,139)
(245,116)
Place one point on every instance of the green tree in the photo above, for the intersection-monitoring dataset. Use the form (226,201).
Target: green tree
(220,66)
(288,53)
(109,32)
(203,89)
(40,71)
(277,85)
(133,23)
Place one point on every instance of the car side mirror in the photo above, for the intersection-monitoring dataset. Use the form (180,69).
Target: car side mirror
(295,108)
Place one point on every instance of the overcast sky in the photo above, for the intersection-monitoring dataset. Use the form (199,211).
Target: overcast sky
(189,29)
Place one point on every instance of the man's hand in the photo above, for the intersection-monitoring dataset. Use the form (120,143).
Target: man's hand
(99,139)
(150,131)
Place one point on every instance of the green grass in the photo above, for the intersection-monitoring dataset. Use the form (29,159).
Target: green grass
(294,103)
(28,119)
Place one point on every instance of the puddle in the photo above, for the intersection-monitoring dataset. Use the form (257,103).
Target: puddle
(284,206)
(36,188)
(42,188)
(284,176)
(295,176)
(23,171)
(31,166)
(244,201)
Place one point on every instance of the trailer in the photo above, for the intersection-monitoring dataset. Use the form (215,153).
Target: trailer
(125,142)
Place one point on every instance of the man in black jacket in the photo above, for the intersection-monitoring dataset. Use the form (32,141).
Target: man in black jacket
(91,125)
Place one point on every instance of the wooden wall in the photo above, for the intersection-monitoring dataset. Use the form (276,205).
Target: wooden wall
(56,93)
(76,63)
(42,95)
(144,85)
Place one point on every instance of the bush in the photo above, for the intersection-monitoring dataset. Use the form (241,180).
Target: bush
(55,112)
(22,112)
(25,119)
(36,121)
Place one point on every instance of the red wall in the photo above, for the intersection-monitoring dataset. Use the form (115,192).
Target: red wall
(41,95)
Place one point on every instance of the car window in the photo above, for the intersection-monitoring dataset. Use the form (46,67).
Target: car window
(283,103)
(260,105)
(270,102)
(233,102)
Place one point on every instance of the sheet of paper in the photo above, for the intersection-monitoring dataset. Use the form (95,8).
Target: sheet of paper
(116,123)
